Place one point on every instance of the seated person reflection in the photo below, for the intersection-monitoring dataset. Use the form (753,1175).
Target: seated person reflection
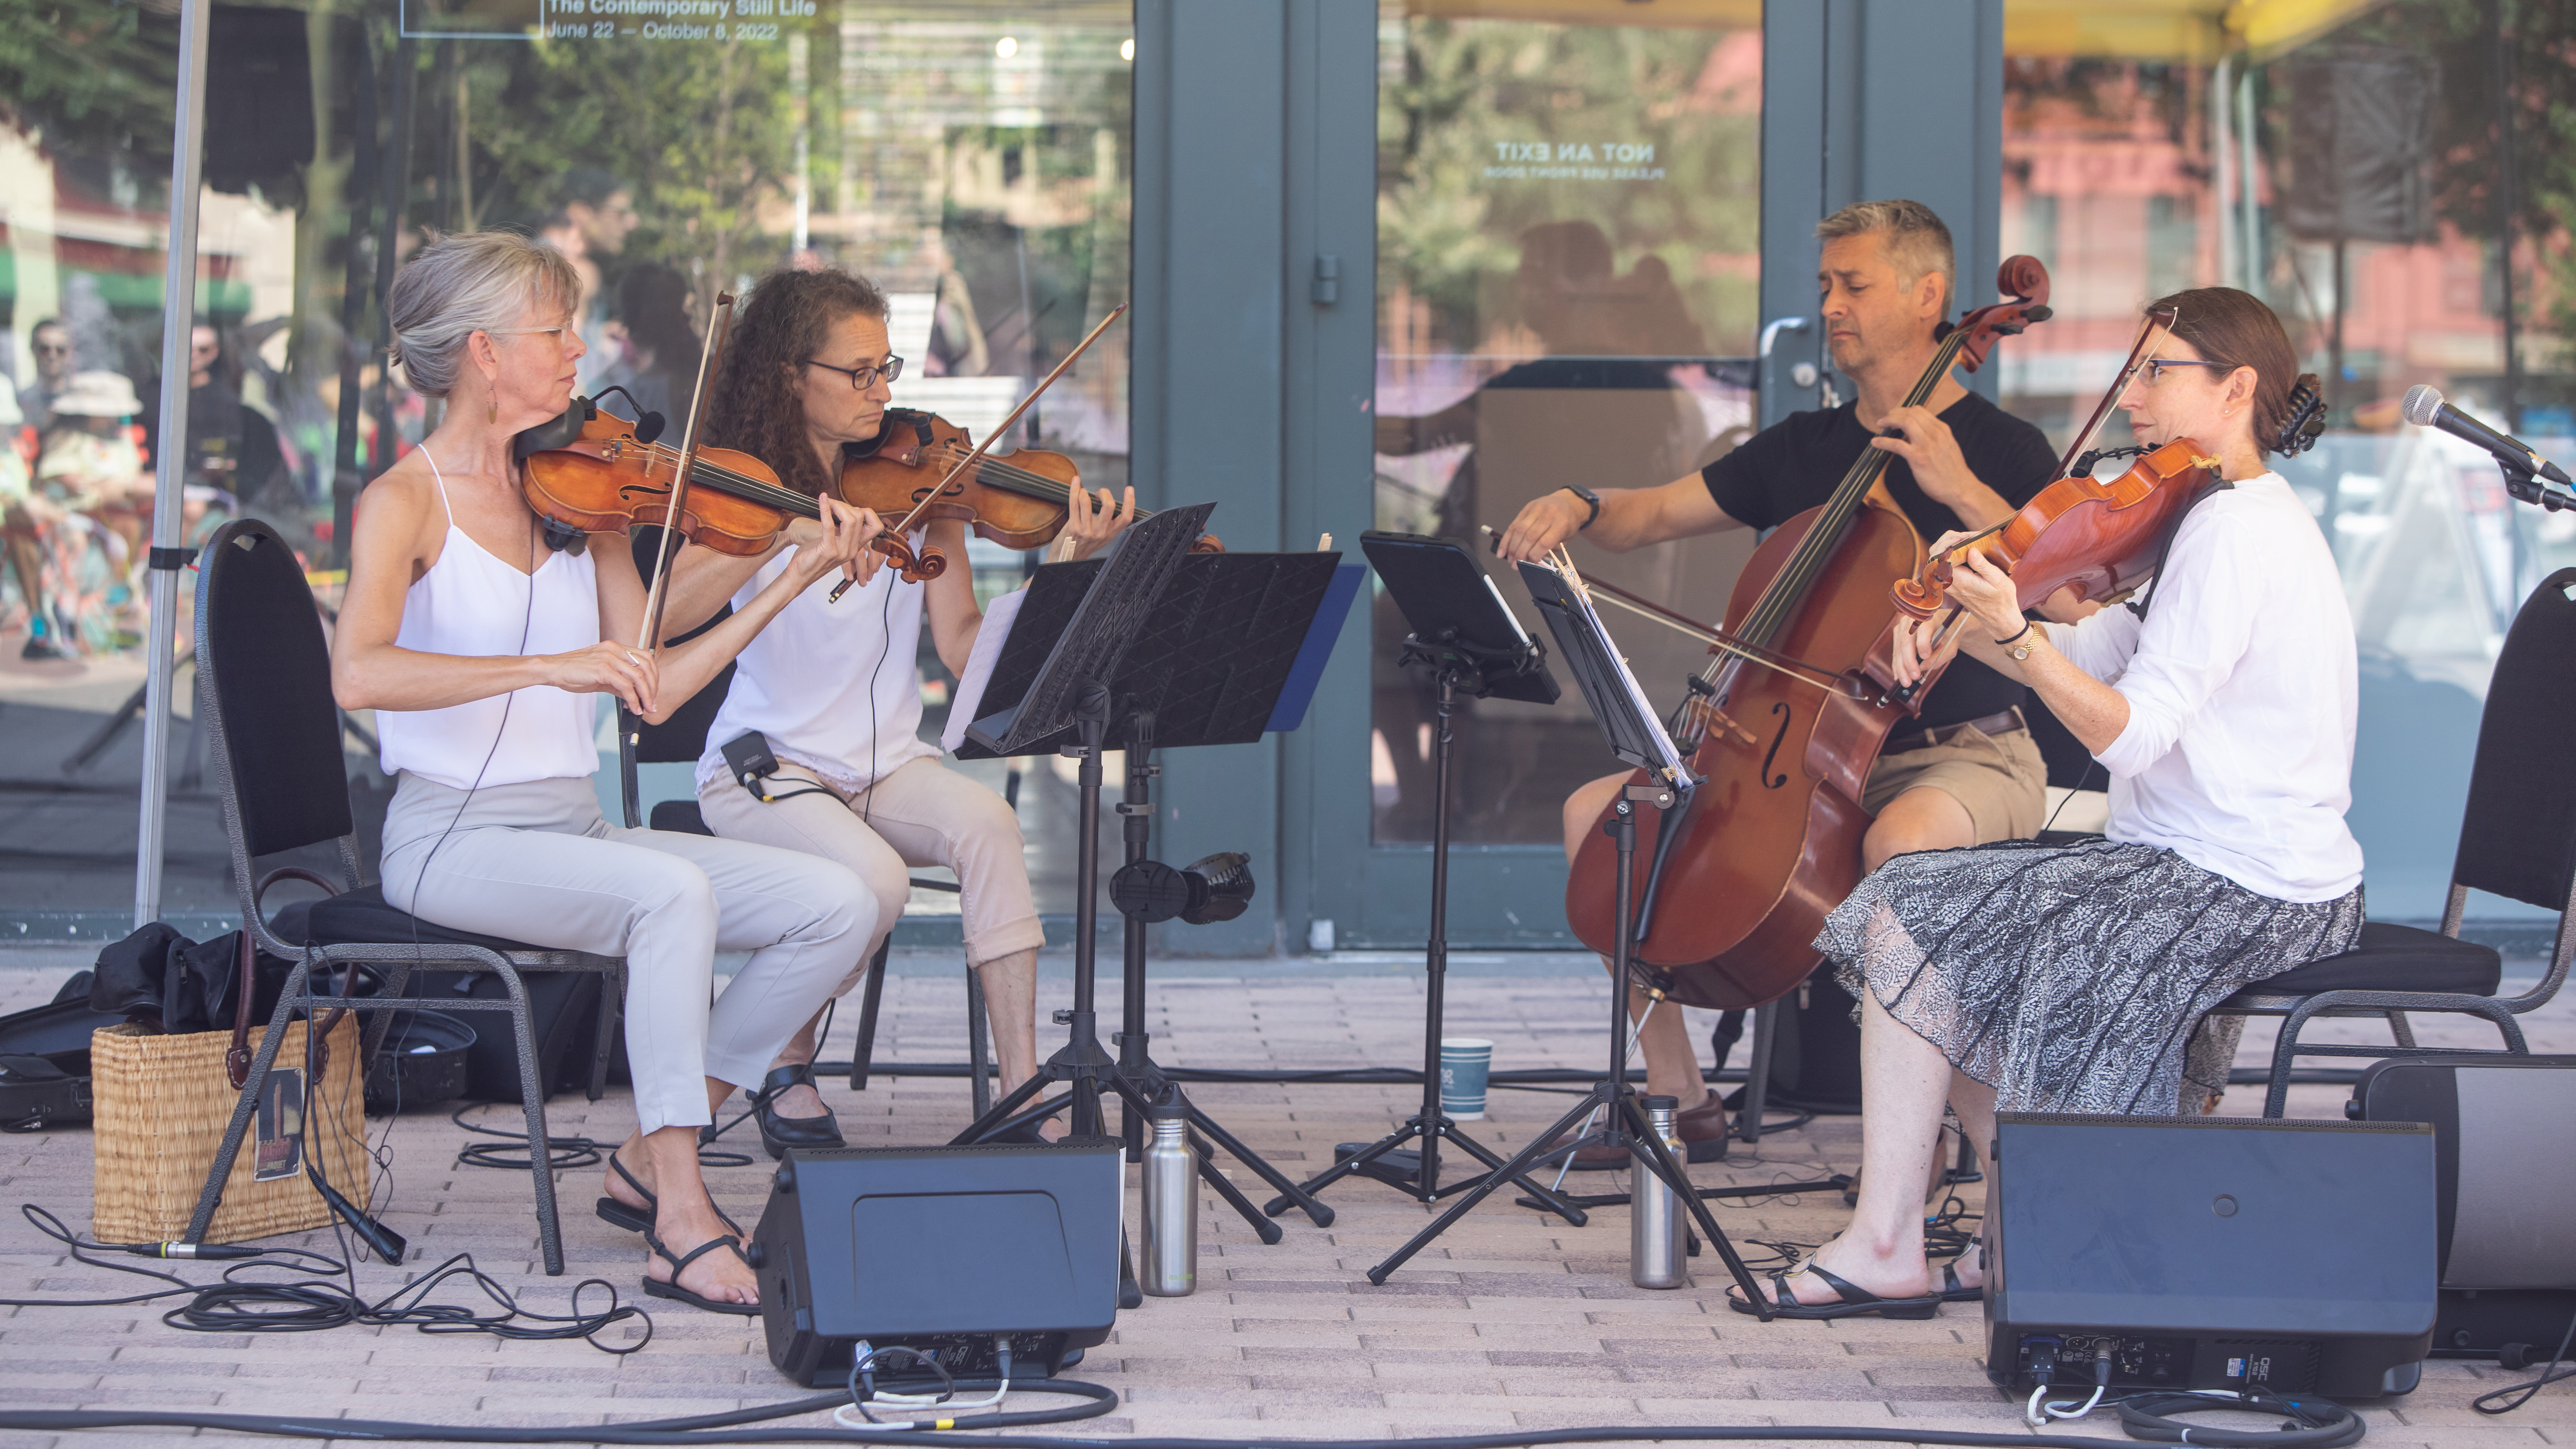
(834,689)
(1603,405)
(1966,771)
(2078,978)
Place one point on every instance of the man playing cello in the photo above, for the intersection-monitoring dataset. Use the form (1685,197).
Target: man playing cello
(1967,771)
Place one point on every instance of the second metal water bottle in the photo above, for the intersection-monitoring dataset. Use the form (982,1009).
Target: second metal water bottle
(1655,1212)
(1171,1178)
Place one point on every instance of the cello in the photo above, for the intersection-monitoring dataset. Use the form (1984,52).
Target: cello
(1782,726)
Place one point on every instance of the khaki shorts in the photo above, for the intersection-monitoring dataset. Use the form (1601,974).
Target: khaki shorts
(2000,780)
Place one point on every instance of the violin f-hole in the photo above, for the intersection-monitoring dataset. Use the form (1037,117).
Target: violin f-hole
(1769,780)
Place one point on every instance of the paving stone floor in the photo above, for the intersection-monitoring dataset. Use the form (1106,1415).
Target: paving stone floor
(1510,1321)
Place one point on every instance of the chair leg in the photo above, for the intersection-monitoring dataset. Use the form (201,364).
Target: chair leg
(2401,1029)
(246,1102)
(1757,1082)
(532,1098)
(2285,1055)
(612,1010)
(864,1050)
(979,1053)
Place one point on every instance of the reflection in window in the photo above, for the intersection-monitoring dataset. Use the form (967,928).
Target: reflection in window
(973,158)
(2348,177)
(1568,268)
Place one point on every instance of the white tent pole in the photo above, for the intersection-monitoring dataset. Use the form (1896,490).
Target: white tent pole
(178,321)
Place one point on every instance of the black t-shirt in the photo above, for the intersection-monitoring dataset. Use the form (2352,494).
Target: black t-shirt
(1793,465)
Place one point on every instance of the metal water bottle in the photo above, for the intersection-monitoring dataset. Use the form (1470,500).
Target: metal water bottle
(1171,1257)
(1655,1213)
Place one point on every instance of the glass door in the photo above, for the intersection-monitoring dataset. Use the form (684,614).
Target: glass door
(1568,292)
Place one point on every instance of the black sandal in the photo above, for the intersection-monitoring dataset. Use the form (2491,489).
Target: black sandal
(1954,1291)
(656,1288)
(640,1219)
(1849,1301)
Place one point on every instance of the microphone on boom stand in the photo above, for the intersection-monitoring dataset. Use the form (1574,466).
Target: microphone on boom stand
(2425,408)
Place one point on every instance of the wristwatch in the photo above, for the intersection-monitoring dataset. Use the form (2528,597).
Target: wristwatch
(2019,645)
(1590,498)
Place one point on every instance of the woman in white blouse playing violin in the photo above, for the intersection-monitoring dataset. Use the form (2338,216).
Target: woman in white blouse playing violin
(2076,978)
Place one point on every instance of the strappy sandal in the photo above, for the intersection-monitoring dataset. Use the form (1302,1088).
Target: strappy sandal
(1954,1291)
(656,1288)
(640,1219)
(1850,1301)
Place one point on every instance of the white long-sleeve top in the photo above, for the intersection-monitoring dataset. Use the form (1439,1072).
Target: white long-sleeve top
(2243,693)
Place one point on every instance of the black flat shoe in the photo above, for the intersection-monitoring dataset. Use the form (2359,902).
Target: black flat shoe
(640,1219)
(656,1288)
(780,1133)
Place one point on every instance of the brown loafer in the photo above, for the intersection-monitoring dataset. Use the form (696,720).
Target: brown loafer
(1702,1130)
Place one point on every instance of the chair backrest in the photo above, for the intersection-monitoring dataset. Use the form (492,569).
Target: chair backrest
(264,678)
(2518,836)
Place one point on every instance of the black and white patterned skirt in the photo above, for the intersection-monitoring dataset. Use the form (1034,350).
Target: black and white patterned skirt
(2074,978)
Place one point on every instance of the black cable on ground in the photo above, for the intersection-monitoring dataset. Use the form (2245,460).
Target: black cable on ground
(1521,1080)
(2512,1397)
(2311,1423)
(718,1429)
(562,1153)
(314,1291)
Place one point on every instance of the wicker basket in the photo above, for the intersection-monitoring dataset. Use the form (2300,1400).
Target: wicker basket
(162,1103)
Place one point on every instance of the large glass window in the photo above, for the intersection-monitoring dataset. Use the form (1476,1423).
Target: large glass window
(2351,173)
(973,158)
(1568,269)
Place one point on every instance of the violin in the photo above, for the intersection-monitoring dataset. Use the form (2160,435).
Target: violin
(2097,539)
(607,480)
(1781,728)
(1018,501)
(1012,504)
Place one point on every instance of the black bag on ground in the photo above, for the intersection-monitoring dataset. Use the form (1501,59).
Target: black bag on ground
(1815,1052)
(563,1006)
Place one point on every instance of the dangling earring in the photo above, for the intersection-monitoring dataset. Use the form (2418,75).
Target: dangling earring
(492,409)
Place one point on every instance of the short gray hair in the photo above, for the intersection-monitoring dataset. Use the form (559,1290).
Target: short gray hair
(1916,240)
(459,285)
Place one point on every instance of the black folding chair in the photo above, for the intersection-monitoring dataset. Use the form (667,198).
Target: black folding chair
(681,739)
(2517,840)
(264,691)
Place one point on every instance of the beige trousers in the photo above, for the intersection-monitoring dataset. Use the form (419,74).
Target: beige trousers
(922,814)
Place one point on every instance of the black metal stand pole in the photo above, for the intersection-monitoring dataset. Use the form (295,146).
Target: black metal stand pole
(1138,1079)
(1081,1066)
(1625,1120)
(1431,1126)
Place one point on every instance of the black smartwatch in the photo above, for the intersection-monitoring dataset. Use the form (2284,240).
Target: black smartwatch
(1591,500)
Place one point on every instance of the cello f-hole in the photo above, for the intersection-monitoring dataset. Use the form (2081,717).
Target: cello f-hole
(1787,715)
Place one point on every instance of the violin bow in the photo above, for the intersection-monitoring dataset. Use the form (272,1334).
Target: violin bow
(904,525)
(659,594)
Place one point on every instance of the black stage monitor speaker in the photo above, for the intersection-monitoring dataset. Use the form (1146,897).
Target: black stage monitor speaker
(2210,1253)
(943,1250)
(2504,1134)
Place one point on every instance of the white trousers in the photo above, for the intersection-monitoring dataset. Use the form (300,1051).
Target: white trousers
(535,862)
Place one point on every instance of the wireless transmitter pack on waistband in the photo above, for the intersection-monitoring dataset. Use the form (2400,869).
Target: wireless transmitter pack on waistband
(752,761)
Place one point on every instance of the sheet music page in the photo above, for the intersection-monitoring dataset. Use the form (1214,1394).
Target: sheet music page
(979,666)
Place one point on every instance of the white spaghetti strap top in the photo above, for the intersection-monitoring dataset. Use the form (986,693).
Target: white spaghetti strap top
(471,603)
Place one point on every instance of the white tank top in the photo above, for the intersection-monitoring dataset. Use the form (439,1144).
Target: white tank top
(471,603)
(833,686)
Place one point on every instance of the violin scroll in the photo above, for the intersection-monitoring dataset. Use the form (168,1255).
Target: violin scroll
(928,563)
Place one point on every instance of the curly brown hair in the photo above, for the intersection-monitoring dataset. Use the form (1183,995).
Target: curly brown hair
(754,404)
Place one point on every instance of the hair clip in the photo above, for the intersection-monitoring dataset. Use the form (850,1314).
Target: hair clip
(2305,419)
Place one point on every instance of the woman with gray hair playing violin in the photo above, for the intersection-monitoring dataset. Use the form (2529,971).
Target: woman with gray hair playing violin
(483,654)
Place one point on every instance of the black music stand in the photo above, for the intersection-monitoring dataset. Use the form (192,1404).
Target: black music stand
(1628,721)
(1149,648)
(1476,648)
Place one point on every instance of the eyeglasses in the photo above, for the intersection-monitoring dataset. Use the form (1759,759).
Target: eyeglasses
(2157,367)
(863,378)
(52,349)
(555,332)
